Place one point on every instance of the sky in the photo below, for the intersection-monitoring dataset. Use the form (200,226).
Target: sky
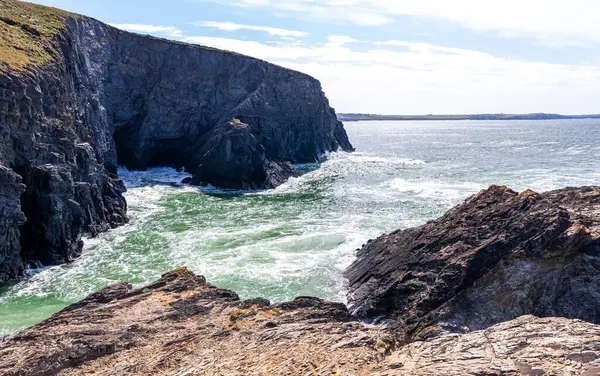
(397,56)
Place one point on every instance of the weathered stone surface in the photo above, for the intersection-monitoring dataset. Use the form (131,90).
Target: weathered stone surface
(233,158)
(182,325)
(498,256)
(51,140)
(525,346)
(11,217)
(104,97)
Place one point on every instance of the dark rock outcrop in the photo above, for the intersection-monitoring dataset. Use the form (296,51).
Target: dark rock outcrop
(12,217)
(233,158)
(498,256)
(78,98)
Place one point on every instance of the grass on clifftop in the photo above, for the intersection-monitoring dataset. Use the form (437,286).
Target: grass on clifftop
(26,32)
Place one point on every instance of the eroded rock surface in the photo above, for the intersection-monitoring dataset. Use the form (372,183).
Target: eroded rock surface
(12,217)
(526,346)
(498,256)
(182,325)
(233,158)
(79,97)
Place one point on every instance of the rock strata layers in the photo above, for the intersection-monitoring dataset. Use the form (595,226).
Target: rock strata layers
(78,98)
(498,256)
(522,300)
(527,346)
(183,325)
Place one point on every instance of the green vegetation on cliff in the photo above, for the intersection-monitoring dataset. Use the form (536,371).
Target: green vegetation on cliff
(26,33)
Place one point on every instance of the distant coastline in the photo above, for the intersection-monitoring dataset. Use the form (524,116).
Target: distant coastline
(536,116)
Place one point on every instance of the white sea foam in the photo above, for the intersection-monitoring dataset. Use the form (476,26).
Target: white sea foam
(298,238)
(146,188)
(153,176)
(370,158)
(435,189)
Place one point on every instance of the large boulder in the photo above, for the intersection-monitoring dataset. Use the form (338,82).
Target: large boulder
(233,158)
(498,256)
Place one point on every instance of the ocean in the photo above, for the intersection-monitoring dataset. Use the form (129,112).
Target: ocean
(297,240)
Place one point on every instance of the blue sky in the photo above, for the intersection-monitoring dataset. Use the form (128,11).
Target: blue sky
(398,56)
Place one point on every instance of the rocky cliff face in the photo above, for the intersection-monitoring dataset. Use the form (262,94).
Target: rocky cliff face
(480,272)
(78,98)
(11,189)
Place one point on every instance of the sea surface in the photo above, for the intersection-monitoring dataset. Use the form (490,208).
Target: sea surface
(297,239)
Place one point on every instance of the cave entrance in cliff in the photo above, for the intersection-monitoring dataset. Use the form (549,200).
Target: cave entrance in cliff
(31,232)
(127,144)
(137,154)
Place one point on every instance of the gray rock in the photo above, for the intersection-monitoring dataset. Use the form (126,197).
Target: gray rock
(11,218)
(233,158)
(498,256)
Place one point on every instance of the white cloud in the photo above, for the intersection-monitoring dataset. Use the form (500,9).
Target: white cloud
(398,76)
(324,10)
(230,26)
(339,40)
(544,19)
(170,31)
(405,77)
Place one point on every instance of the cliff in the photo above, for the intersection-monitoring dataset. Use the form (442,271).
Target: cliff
(78,98)
(504,284)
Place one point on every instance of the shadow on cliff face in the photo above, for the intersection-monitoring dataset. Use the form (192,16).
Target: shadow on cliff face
(48,241)
(136,154)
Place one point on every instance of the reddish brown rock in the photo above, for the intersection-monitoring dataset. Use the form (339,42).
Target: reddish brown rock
(183,325)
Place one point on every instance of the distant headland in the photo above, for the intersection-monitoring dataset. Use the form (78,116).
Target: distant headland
(536,116)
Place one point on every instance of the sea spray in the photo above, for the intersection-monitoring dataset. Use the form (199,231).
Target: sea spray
(297,239)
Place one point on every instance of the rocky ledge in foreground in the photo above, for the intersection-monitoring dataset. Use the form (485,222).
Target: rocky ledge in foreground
(182,325)
(504,284)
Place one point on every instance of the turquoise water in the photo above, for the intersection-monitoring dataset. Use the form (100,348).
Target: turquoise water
(297,239)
